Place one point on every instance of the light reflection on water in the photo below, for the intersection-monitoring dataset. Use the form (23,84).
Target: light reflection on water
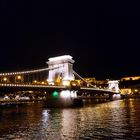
(112,120)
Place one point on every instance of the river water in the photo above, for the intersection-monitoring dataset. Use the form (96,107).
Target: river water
(116,120)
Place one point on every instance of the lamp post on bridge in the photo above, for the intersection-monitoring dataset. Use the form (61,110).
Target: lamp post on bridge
(18,79)
(5,79)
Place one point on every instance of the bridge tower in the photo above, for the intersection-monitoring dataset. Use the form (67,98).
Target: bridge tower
(114,85)
(63,70)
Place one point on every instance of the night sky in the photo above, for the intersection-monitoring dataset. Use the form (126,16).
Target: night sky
(102,36)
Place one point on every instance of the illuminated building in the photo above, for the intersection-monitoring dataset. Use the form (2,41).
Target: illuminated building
(130,85)
(94,82)
(130,78)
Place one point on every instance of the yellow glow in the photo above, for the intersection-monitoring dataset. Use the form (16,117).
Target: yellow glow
(35,81)
(19,77)
(126,91)
(4,79)
(136,90)
(42,83)
(66,83)
(129,78)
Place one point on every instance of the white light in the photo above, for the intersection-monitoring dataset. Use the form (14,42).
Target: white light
(65,94)
(113,82)
(66,83)
(64,57)
(116,96)
(73,94)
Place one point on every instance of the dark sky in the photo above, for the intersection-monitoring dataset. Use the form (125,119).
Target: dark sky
(102,36)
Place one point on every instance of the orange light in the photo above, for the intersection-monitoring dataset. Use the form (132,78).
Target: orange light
(4,79)
(19,77)
(35,81)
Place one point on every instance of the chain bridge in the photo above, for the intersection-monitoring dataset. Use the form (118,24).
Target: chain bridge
(58,76)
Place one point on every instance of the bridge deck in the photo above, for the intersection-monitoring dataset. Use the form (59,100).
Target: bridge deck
(48,87)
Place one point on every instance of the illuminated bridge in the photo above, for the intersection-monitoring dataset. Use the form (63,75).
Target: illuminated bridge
(59,75)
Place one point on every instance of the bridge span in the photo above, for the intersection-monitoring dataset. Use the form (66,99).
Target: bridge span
(23,87)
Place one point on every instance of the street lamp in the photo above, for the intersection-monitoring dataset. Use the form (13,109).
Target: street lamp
(35,81)
(5,79)
(18,77)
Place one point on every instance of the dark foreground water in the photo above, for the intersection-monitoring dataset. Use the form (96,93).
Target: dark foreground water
(105,121)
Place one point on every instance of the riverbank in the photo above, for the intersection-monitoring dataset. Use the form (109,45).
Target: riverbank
(128,96)
(19,101)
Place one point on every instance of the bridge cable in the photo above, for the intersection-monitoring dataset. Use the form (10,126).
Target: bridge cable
(27,72)
(75,73)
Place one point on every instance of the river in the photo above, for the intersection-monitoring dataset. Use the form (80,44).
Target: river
(116,120)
